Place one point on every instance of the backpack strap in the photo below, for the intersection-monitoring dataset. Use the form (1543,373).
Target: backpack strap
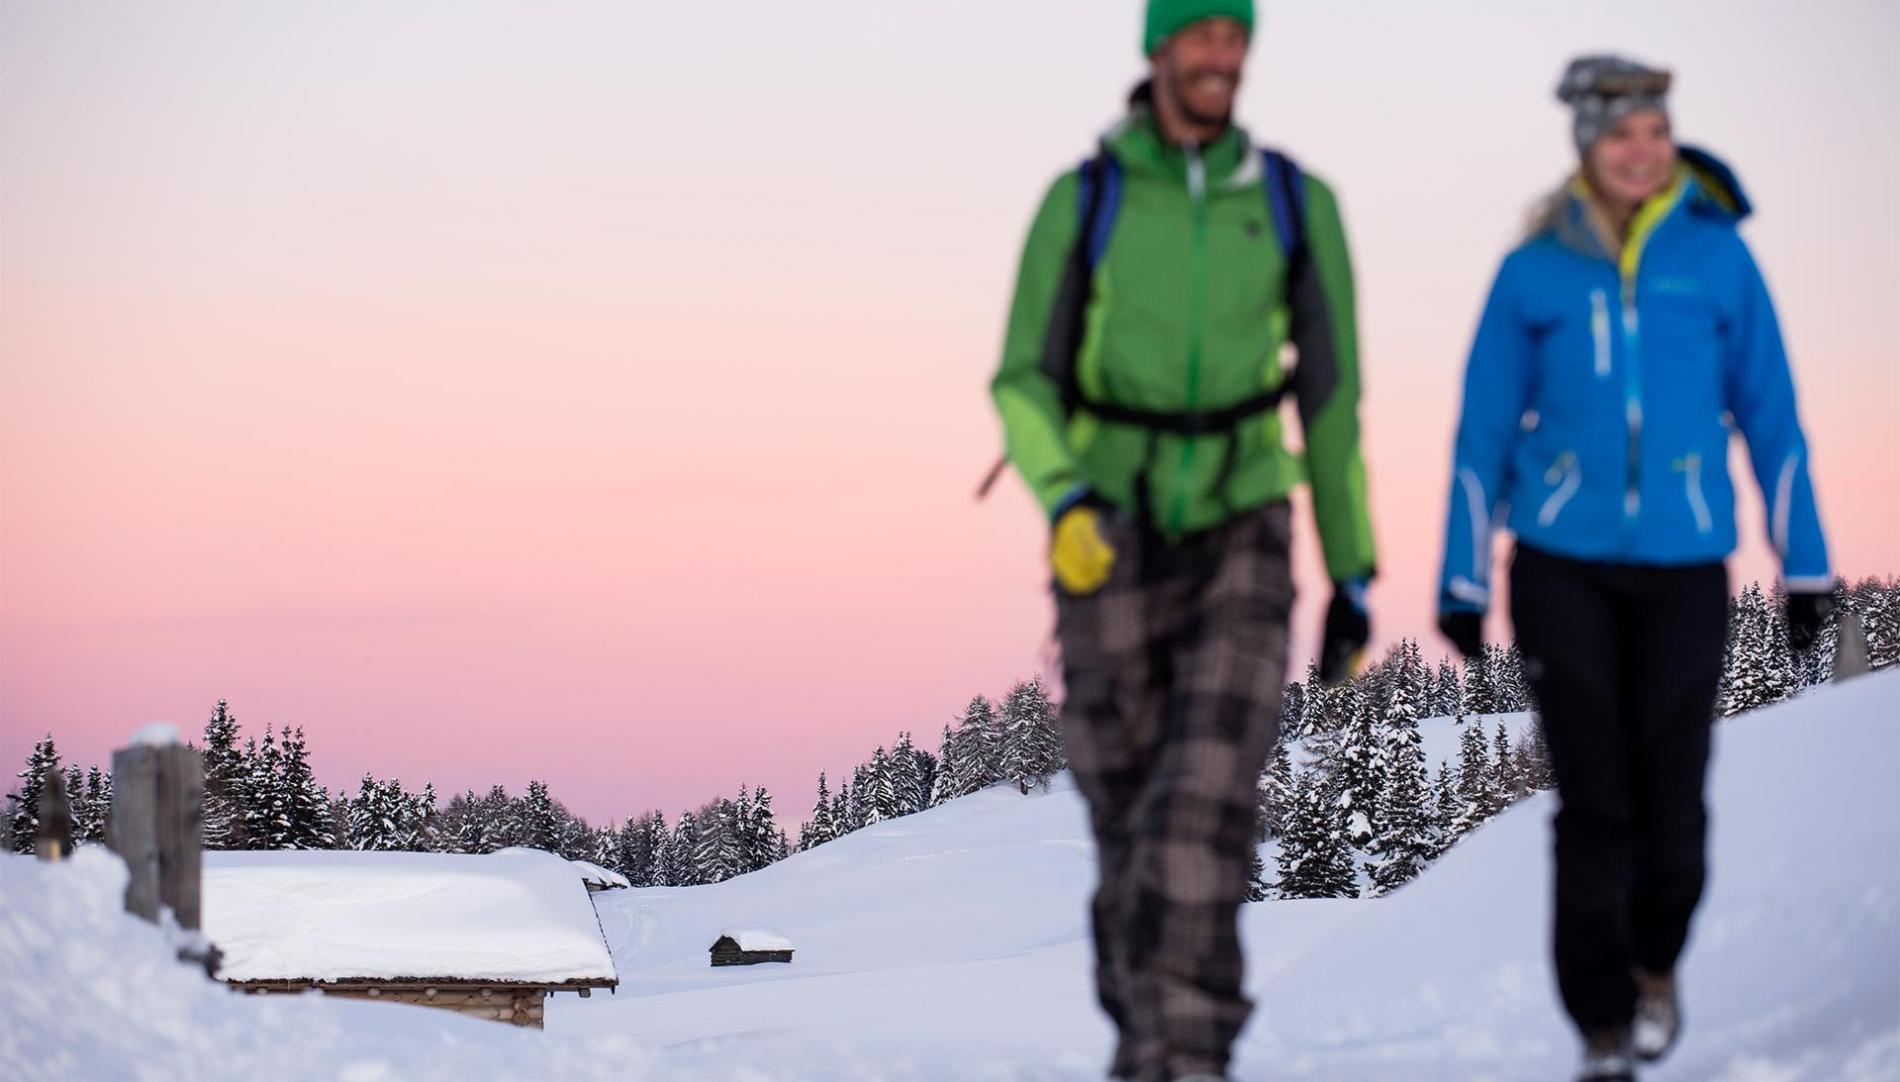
(1286,200)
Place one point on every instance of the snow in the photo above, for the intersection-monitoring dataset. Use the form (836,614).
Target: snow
(595,875)
(159,734)
(757,939)
(520,915)
(953,945)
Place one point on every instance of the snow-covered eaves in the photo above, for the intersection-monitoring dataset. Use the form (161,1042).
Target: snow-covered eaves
(518,917)
(756,939)
(599,878)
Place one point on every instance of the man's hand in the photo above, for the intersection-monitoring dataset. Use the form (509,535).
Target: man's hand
(1081,556)
(1807,611)
(1343,642)
(1465,629)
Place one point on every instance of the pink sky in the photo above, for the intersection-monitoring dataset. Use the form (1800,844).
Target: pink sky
(595,391)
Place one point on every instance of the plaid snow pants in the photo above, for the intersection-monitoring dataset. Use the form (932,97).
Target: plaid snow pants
(1173,672)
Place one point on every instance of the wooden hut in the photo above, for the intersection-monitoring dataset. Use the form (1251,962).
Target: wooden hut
(490,936)
(750,946)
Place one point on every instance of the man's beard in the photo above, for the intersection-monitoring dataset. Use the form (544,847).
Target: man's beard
(1177,88)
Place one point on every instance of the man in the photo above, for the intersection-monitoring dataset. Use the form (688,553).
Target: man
(1137,392)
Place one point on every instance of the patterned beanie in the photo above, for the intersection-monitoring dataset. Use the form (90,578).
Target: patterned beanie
(1165,17)
(1605,89)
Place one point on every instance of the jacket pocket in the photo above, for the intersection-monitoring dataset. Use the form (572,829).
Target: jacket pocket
(1567,476)
(1690,465)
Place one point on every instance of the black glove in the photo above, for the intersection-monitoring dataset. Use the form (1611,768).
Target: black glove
(1347,629)
(1465,629)
(1806,613)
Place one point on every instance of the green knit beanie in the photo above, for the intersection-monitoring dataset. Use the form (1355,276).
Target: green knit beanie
(1167,16)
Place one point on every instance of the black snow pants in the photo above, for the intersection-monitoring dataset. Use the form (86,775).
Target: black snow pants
(1626,661)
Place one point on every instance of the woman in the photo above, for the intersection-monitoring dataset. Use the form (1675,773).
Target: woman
(1623,340)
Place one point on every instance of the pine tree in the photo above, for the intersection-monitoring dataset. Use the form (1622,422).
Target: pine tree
(1451,697)
(1750,679)
(879,797)
(907,778)
(540,825)
(265,815)
(943,787)
(1361,772)
(224,781)
(1504,780)
(99,805)
(1292,709)
(1032,746)
(76,801)
(820,828)
(306,804)
(1532,759)
(1481,695)
(979,748)
(1257,886)
(764,834)
(1315,856)
(1317,707)
(1880,620)
(373,816)
(1408,837)
(1447,806)
(1275,792)
(1477,799)
(682,853)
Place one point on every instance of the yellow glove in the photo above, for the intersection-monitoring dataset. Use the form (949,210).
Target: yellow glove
(1081,557)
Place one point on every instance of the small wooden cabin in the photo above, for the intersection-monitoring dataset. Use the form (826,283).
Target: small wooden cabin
(489,936)
(750,946)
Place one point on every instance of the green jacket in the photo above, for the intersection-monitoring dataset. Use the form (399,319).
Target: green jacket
(1189,310)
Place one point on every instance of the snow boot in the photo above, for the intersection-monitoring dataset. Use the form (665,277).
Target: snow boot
(1658,1017)
(1607,1057)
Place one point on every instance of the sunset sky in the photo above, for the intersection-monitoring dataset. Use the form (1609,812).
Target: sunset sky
(596,391)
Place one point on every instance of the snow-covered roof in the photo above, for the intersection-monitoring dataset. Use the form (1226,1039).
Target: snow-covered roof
(756,939)
(596,876)
(520,916)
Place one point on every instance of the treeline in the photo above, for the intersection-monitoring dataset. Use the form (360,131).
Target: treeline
(1365,800)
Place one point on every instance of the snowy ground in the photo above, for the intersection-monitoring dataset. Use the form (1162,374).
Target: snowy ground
(953,945)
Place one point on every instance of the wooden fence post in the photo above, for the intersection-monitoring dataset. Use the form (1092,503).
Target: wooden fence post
(157,826)
(54,840)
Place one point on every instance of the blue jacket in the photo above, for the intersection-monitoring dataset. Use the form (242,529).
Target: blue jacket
(1602,391)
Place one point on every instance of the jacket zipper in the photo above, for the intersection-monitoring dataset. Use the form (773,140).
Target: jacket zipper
(1197,193)
(1567,471)
(1632,401)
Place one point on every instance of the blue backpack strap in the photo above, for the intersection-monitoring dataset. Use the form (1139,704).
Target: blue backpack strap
(1286,198)
(1096,210)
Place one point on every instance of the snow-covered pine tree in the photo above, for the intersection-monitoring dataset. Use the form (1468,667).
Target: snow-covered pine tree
(1361,771)
(907,777)
(927,770)
(764,835)
(1477,799)
(1446,806)
(1408,836)
(224,780)
(1292,710)
(266,822)
(1316,707)
(716,850)
(306,804)
(1315,857)
(943,784)
(1451,695)
(784,847)
(682,852)
(879,798)
(1880,620)
(841,812)
(99,805)
(372,817)
(979,748)
(1749,680)
(1257,885)
(859,796)
(1032,748)
(745,846)
(76,801)
(1504,780)
(540,824)
(820,828)
(1481,693)
(1274,792)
